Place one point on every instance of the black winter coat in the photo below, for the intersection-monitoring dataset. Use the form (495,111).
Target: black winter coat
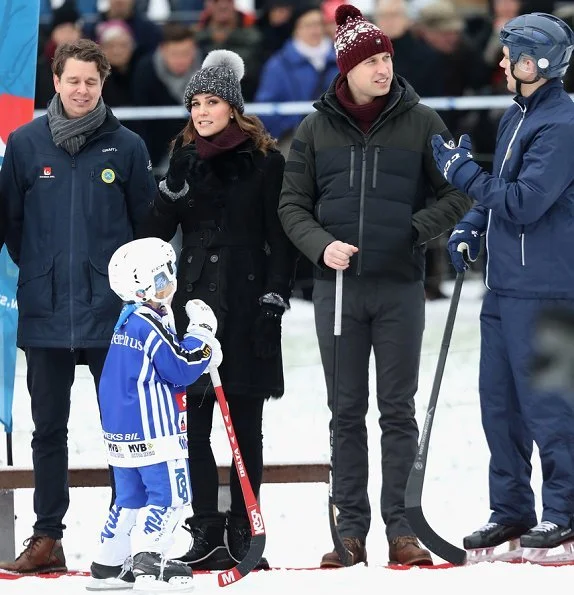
(234,250)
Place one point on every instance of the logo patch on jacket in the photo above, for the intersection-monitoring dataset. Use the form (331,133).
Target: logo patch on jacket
(108,175)
(47,172)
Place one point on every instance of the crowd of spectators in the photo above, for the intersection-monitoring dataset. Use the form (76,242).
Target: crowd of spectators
(442,47)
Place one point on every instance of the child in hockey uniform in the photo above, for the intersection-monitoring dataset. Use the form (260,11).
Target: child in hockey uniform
(143,409)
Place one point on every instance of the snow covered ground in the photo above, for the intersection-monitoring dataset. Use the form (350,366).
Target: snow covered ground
(296,430)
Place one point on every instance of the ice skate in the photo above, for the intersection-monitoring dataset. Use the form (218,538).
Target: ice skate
(153,572)
(108,578)
(483,543)
(549,544)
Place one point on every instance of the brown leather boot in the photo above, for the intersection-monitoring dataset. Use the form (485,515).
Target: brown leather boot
(406,550)
(356,548)
(42,555)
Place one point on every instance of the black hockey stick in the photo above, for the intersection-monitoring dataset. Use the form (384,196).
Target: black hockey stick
(342,551)
(257,545)
(415,483)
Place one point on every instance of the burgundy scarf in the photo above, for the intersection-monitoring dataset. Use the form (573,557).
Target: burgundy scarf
(229,138)
(364,115)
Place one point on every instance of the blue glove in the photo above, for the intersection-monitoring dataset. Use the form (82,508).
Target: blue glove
(455,162)
(463,246)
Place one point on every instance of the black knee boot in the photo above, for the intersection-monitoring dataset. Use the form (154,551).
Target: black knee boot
(239,538)
(207,550)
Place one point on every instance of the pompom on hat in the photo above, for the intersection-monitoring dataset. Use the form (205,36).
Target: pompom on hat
(356,39)
(220,74)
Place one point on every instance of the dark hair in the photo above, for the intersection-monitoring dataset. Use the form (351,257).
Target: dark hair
(84,50)
(251,125)
(175,32)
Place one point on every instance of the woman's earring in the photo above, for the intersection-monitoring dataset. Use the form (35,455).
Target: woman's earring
(231,117)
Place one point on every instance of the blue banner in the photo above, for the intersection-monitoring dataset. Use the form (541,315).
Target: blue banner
(19,20)
(8,328)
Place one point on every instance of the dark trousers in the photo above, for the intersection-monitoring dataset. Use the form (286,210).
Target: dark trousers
(246,417)
(515,415)
(50,376)
(388,319)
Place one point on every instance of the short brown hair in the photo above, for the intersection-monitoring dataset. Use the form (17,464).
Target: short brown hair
(85,50)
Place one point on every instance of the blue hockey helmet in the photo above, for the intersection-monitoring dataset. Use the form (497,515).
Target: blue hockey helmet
(544,37)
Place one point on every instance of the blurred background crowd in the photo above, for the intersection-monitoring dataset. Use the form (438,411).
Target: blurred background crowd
(442,47)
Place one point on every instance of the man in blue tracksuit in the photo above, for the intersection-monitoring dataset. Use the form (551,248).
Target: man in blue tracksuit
(75,185)
(526,210)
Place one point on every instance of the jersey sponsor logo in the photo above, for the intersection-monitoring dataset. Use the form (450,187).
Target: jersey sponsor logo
(141,449)
(128,436)
(181,399)
(127,341)
(108,175)
(182,422)
(110,150)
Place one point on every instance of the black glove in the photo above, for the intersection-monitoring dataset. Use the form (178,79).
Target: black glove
(180,162)
(267,331)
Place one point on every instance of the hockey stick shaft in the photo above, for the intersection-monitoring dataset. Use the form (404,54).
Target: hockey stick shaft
(257,546)
(415,483)
(342,551)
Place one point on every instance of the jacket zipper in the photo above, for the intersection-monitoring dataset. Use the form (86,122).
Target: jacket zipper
(362,208)
(375,166)
(71,257)
(352,167)
(91,199)
(506,157)
(522,255)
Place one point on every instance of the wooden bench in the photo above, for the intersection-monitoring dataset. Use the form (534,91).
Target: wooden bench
(14,478)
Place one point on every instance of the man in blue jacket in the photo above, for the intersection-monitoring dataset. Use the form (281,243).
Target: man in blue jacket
(76,184)
(526,210)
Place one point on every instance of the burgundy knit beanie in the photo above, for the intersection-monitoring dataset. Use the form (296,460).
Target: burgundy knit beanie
(356,39)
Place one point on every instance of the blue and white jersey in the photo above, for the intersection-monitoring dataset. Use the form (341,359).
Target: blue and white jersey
(142,390)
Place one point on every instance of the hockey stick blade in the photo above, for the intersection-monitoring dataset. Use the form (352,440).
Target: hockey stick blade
(256,549)
(258,538)
(415,483)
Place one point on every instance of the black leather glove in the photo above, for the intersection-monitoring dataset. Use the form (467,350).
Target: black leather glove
(180,162)
(267,331)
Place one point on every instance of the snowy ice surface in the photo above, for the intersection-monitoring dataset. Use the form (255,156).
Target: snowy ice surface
(455,498)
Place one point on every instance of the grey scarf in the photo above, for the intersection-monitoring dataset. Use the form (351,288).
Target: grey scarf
(71,134)
(174,84)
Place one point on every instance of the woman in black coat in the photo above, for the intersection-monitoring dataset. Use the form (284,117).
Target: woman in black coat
(222,187)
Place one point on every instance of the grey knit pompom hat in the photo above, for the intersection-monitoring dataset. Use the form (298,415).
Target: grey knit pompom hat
(220,74)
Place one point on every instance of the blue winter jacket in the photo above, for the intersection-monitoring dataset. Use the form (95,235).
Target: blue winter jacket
(289,76)
(526,207)
(65,218)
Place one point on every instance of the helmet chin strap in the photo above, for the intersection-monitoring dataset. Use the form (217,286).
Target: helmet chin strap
(520,82)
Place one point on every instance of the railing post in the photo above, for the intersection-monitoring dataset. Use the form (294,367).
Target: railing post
(7,517)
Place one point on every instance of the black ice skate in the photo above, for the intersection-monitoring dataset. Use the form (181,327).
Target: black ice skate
(207,550)
(540,544)
(156,573)
(107,578)
(482,543)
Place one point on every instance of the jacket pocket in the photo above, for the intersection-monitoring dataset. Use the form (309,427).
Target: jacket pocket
(35,293)
(102,299)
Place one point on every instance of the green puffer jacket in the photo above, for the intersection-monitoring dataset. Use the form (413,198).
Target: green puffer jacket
(379,191)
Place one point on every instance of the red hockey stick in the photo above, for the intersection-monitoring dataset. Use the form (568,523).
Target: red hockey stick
(257,546)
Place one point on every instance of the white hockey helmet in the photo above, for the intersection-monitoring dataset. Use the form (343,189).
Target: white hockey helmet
(142,270)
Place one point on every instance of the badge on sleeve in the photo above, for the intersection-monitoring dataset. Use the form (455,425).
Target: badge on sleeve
(108,176)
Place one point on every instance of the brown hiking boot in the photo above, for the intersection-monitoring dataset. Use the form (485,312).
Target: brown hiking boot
(42,555)
(356,548)
(407,551)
